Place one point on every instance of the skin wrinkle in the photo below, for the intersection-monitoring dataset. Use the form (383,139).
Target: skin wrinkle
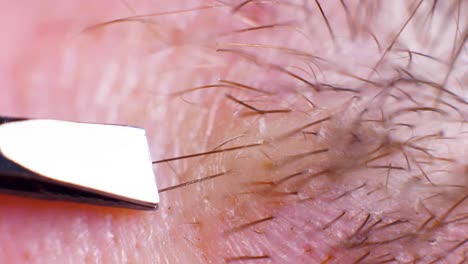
(380,177)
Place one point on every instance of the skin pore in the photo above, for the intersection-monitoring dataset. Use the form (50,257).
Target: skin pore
(328,131)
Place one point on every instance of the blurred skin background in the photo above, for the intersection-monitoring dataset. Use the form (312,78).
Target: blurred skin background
(346,120)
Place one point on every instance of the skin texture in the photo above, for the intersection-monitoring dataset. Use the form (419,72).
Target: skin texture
(340,128)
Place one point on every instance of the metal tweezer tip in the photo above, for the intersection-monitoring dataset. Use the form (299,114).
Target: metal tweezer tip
(92,163)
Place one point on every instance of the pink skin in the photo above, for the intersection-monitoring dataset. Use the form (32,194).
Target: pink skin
(384,185)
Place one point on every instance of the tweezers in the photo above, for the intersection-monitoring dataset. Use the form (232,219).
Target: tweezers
(98,164)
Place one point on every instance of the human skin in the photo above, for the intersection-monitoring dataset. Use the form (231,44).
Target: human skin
(338,143)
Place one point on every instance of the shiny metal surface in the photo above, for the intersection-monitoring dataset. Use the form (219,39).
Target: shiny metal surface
(92,163)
